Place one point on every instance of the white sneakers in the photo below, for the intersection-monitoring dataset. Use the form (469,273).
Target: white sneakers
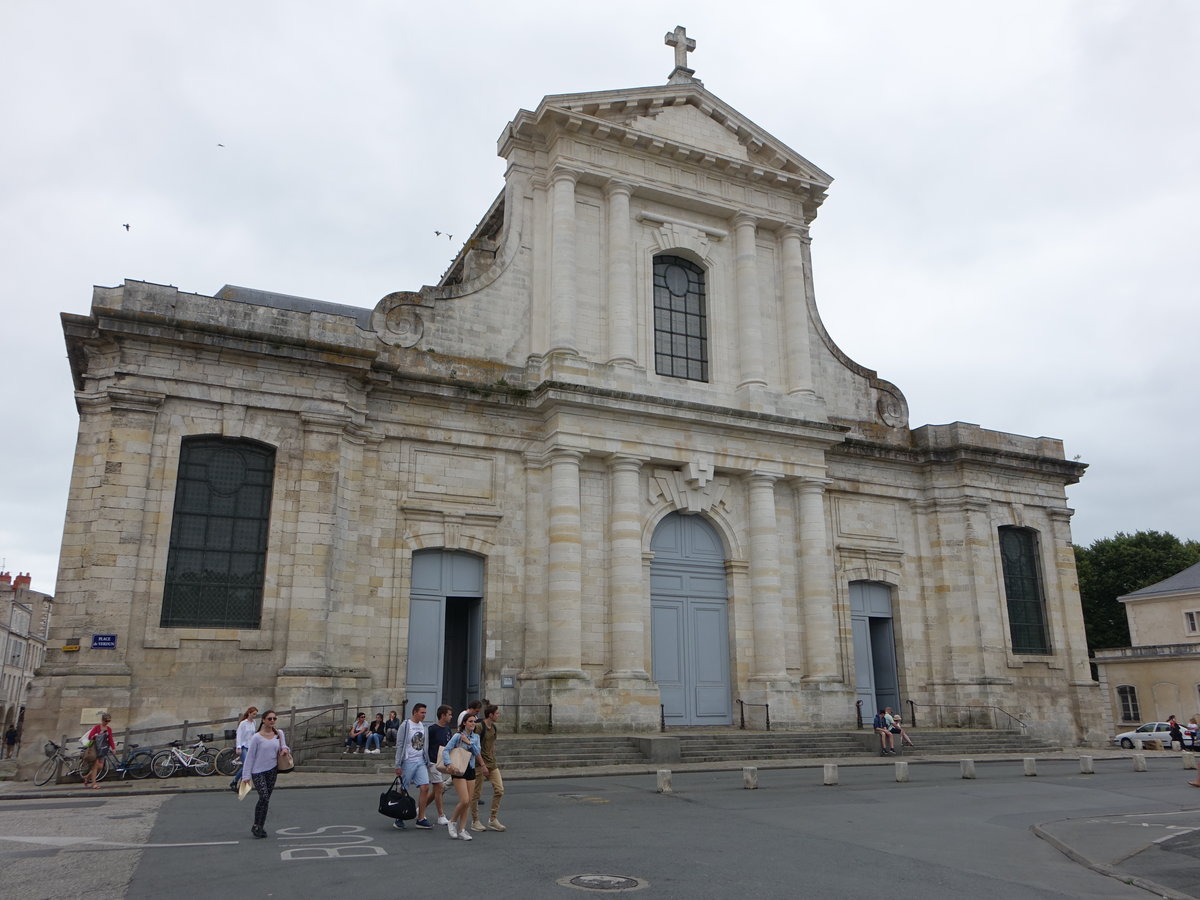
(374,752)
(442,820)
(465,835)
(453,829)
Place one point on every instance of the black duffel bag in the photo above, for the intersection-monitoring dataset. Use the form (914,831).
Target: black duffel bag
(396,804)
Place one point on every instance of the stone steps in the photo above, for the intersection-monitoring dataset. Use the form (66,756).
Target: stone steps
(574,751)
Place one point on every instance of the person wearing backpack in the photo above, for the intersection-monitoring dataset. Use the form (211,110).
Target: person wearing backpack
(97,744)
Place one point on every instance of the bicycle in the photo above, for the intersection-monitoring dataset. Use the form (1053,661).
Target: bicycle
(56,757)
(167,762)
(135,763)
(228,761)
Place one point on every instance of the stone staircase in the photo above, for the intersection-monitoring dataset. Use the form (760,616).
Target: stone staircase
(577,751)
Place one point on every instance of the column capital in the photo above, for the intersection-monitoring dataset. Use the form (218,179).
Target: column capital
(809,484)
(562,173)
(760,479)
(744,218)
(625,462)
(616,186)
(564,454)
(795,230)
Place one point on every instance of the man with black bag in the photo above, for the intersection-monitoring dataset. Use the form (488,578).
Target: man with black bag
(412,762)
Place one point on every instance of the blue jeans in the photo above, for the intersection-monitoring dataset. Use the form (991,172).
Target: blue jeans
(373,741)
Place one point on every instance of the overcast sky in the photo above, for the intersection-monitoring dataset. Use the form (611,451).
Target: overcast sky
(1011,237)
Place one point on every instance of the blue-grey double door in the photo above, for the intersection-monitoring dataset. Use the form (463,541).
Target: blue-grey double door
(875,678)
(445,628)
(690,622)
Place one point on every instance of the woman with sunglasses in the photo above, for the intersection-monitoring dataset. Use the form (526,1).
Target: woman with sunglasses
(260,767)
(467,739)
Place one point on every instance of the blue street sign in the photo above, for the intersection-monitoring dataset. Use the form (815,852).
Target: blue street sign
(104,641)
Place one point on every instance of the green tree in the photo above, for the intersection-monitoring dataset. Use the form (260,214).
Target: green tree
(1113,567)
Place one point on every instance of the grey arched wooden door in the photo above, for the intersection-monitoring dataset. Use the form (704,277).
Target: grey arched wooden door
(445,627)
(690,622)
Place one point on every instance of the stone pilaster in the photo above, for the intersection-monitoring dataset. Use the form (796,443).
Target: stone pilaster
(316,669)
(766,601)
(622,342)
(821,644)
(747,308)
(564,568)
(627,590)
(563,293)
(795,311)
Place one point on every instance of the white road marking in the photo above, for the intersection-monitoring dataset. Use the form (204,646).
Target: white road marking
(74,841)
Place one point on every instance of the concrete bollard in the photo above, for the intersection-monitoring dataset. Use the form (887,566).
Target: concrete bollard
(1189,760)
(750,778)
(1176,746)
(1030,766)
(664,781)
(1137,745)
(1086,766)
(831,775)
(967,767)
(901,771)
(1139,762)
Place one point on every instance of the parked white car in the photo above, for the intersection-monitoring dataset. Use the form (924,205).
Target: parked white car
(1153,731)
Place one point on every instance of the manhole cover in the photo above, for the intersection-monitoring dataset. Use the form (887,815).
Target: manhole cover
(603,882)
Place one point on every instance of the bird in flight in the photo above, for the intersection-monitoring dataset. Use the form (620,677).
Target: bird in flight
(126,226)
(220,145)
(448,237)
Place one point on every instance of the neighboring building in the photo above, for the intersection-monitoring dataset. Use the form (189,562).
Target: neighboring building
(1159,675)
(24,627)
(612,462)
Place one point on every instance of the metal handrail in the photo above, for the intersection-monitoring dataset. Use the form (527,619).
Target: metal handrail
(968,716)
(186,726)
(742,704)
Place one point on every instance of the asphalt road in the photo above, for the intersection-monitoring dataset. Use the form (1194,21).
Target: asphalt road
(1002,835)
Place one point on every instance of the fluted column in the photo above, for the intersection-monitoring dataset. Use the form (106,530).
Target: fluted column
(562,265)
(748,311)
(622,347)
(766,602)
(816,583)
(795,311)
(564,569)
(626,591)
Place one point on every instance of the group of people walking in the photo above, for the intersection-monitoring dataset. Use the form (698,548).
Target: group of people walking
(430,757)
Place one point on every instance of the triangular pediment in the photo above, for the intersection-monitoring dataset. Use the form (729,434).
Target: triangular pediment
(687,116)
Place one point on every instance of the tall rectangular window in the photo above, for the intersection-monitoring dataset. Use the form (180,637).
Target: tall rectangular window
(217,558)
(680,319)
(1189,621)
(1127,695)
(1023,590)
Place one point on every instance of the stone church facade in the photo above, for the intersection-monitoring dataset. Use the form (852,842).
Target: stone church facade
(612,462)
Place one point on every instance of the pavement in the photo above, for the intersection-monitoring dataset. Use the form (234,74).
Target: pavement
(1123,846)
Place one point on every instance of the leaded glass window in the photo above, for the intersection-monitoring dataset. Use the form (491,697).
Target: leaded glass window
(1023,589)
(217,558)
(680,319)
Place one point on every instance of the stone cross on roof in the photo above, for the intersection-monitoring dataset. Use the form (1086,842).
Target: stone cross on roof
(683,46)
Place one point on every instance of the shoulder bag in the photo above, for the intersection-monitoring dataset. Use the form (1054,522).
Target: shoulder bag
(283,760)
